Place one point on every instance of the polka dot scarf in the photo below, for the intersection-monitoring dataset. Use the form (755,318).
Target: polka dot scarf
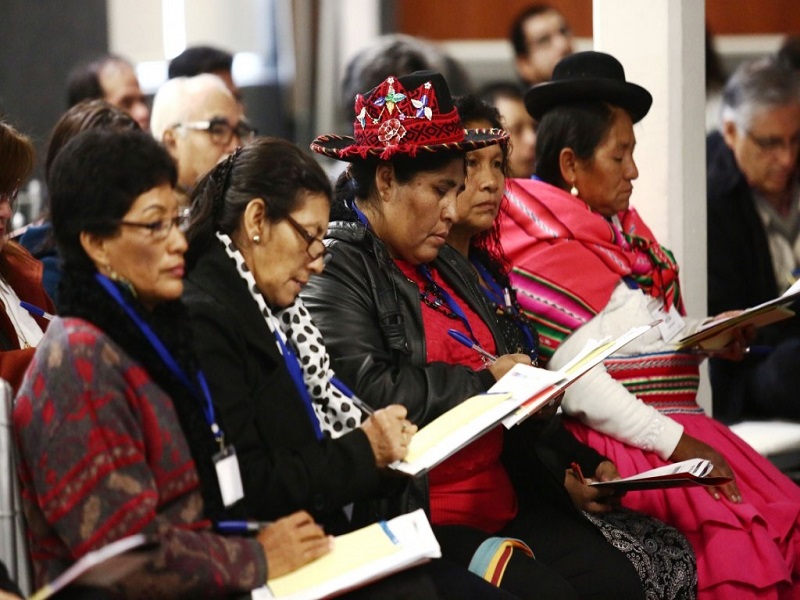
(336,414)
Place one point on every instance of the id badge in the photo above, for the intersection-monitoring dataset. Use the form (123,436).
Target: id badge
(671,323)
(228,476)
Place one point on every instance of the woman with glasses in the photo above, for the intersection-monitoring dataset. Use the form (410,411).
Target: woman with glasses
(20,273)
(302,440)
(109,422)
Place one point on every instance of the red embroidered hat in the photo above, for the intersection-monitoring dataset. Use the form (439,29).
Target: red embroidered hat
(406,115)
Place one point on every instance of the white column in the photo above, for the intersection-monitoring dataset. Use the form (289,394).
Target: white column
(661,45)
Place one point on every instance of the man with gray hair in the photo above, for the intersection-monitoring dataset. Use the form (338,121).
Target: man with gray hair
(200,123)
(754,235)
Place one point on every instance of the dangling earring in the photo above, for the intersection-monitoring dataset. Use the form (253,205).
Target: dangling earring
(114,276)
(256,239)
(573,190)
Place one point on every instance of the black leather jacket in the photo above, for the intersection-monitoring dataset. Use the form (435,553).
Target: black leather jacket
(369,314)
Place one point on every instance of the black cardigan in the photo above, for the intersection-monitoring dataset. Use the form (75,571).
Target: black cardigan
(284,467)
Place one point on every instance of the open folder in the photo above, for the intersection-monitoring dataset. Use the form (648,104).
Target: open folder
(105,566)
(358,558)
(518,394)
(592,354)
(719,333)
(681,474)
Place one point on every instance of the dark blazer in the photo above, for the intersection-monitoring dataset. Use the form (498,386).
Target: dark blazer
(284,467)
(740,275)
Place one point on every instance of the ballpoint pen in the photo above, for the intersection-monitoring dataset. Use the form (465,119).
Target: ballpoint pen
(36,311)
(463,339)
(362,406)
(239,527)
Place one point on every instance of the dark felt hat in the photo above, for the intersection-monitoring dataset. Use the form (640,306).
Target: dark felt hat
(404,116)
(588,76)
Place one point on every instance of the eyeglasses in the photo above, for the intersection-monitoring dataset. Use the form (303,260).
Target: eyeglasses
(546,39)
(772,144)
(11,198)
(316,248)
(221,131)
(159,230)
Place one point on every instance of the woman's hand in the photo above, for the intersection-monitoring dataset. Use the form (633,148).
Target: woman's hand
(742,336)
(689,447)
(506,362)
(586,497)
(389,433)
(291,542)
(8,596)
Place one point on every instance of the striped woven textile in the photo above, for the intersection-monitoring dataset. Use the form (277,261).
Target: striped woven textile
(493,555)
(667,380)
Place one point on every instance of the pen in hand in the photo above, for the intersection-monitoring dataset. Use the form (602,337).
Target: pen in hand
(360,404)
(576,470)
(463,339)
(240,527)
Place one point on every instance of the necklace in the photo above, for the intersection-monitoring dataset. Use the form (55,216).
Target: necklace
(431,295)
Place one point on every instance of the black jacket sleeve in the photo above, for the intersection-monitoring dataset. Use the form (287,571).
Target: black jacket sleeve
(343,303)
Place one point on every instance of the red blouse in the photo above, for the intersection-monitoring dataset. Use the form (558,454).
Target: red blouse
(472,487)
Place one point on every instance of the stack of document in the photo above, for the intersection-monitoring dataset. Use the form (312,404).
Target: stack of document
(518,394)
(358,558)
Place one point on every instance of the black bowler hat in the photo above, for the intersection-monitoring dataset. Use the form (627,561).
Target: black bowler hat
(588,76)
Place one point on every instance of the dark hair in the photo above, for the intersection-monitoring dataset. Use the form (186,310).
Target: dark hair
(397,54)
(581,126)
(88,114)
(83,82)
(199,59)
(517,33)
(473,108)
(789,53)
(95,180)
(359,178)
(491,92)
(268,168)
(17,157)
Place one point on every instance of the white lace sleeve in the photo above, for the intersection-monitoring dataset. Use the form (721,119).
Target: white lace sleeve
(603,403)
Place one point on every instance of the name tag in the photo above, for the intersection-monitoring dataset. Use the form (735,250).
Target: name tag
(228,476)
(671,323)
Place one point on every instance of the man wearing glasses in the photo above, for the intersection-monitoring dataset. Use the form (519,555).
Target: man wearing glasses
(754,235)
(200,123)
(541,38)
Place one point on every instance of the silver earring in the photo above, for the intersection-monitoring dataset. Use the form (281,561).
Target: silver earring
(256,239)
(573,190)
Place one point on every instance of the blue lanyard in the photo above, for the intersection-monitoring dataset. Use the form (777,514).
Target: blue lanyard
(425,271)
(496,293)
(361,216)
(293,366)
(502,297)
(165,355)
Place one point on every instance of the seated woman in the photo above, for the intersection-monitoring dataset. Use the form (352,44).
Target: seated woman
(255,239)
(89,114)
(587,266)
(661,555)
(385,303)
(101,452)
(20,273)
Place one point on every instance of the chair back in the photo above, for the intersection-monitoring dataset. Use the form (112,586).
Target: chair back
(13,541)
